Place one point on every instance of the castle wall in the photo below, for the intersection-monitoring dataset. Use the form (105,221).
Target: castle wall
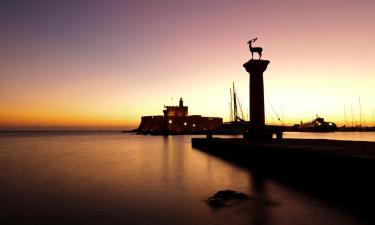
(176,119)
(176,110)
(151,123)
(194,123)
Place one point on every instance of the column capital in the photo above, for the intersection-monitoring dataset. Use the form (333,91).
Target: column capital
(256,66)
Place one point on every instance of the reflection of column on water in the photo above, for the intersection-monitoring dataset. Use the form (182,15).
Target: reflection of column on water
(258,210)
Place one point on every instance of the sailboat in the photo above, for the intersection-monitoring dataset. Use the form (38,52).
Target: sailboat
(237,123)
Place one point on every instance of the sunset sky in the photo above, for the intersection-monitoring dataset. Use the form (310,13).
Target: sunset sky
(107,63)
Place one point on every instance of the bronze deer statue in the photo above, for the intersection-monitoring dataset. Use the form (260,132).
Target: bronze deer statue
(256,49)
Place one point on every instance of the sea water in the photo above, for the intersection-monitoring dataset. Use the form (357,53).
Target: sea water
(115,178)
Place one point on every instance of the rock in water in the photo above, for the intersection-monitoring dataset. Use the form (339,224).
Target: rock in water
(225,198)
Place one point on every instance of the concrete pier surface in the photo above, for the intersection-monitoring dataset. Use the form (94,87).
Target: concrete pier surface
(342,171)
(305,157)
(315,157)
(339,148)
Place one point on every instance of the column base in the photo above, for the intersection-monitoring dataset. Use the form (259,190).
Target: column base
(257,135)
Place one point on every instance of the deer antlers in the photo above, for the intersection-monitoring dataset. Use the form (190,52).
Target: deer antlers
(252,40)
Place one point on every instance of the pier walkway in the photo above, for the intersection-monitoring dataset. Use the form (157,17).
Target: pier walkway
(342,171)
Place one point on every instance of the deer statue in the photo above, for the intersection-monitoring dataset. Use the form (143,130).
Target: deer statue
(256,49)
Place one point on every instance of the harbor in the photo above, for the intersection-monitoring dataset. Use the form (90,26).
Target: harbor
(334,169)
(187,112)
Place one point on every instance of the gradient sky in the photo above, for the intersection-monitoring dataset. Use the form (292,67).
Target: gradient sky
(107,63)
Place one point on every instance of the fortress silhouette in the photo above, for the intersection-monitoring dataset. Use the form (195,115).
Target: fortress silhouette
(177,121)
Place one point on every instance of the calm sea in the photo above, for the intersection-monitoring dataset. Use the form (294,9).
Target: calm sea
(115,178)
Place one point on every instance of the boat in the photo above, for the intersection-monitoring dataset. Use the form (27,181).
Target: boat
(316,125)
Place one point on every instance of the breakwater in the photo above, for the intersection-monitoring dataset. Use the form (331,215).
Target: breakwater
(337,170)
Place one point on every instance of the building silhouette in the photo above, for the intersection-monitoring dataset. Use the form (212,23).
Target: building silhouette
(175,120)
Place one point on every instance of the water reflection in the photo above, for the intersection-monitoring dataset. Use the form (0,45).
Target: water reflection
(260,198)
(130,179)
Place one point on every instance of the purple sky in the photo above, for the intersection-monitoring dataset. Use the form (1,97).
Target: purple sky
(110,62)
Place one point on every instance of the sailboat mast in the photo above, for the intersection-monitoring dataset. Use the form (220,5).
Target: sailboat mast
(230,105)
(351,109)
(345,121)
(360,112)
(240,105)
(235,116)
(230,112)
(282,115)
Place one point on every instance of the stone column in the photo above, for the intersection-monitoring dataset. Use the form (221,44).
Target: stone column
(257,118)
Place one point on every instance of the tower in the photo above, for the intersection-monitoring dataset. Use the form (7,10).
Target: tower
(255,68)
